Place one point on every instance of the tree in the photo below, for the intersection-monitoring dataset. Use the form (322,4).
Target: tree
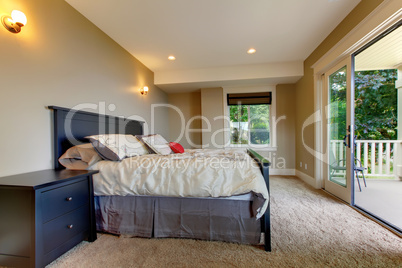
(375,105)
(337,107)
(376,111)
(238,114)
(258,129)
(259,124)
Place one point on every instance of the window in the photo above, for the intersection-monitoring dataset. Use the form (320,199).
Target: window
(249,124)
(249,118)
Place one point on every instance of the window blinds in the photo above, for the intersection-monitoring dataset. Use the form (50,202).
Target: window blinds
(249,98)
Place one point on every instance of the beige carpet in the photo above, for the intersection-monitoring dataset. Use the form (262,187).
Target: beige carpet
(309,229)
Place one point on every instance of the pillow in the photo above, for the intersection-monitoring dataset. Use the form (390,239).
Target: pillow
(79,157)
(139,137)
(176,147)
(158,144)
(116,147)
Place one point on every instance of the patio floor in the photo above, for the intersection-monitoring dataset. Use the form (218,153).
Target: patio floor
(382,198)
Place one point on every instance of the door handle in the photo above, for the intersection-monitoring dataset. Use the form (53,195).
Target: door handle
(346,142)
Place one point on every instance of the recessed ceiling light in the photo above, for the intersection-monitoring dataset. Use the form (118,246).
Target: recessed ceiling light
(171,57)
(251,51)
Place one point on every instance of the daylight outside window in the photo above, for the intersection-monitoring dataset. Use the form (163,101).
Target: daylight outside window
(249,124)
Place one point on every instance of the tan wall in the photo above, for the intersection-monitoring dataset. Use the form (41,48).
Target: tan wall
(286,115)
(305,86)
(189,105)
(62,59)
(212,107)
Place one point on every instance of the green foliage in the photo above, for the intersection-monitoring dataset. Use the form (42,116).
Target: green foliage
(236,137)
(258,129)
(376,112)
(238,113)
(259,113)
(337,107)
(259,124)
(375,105)
(259,133)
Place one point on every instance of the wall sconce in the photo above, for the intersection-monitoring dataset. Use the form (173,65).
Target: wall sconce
(144,91)
(14,22)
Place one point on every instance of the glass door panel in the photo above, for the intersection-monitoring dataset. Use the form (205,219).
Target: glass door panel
(336,98)
(337,126)
(378,117)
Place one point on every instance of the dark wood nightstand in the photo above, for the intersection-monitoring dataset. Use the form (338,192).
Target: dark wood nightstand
(43,214)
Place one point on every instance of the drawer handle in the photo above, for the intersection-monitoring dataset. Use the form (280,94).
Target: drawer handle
(69,198)
(70,226)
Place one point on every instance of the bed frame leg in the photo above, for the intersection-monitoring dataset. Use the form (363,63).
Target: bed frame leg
(266,222)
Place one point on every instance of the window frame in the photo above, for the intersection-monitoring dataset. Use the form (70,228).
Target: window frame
(272,146)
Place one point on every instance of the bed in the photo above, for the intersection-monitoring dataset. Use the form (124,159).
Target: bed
(230,219)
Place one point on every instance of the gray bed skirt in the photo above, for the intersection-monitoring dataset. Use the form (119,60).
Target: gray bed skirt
(161,217)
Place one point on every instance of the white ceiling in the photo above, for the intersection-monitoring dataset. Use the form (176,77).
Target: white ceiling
(215,33)
(384,54)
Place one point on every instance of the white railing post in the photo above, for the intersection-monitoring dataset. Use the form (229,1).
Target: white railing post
(366,157)
(334,150)
(388,159)
(372,158)
(341,155)
(380,157)
(358,151)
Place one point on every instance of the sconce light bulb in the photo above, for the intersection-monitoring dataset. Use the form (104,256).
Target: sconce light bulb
(14,22)
(19,17)
(144,91)
(251,51)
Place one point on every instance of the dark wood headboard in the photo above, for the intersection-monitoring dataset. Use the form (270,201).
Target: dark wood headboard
(70,127)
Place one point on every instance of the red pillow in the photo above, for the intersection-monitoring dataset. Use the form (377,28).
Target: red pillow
(177,148)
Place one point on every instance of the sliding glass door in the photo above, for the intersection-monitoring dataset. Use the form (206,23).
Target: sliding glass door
(338,139)
(358,127)
(378,117)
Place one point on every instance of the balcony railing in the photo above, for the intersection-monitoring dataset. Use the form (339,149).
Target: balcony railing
(376,155)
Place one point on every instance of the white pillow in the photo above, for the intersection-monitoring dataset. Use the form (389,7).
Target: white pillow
(116,147)
(158,144)
(80,157)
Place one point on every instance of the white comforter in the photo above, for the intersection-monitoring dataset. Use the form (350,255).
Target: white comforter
(196,173)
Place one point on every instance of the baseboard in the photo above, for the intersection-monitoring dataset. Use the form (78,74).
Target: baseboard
(282,171)
(307,179)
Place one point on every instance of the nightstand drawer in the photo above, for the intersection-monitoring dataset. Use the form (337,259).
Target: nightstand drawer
(59,201)
(35,215)
(62,229)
